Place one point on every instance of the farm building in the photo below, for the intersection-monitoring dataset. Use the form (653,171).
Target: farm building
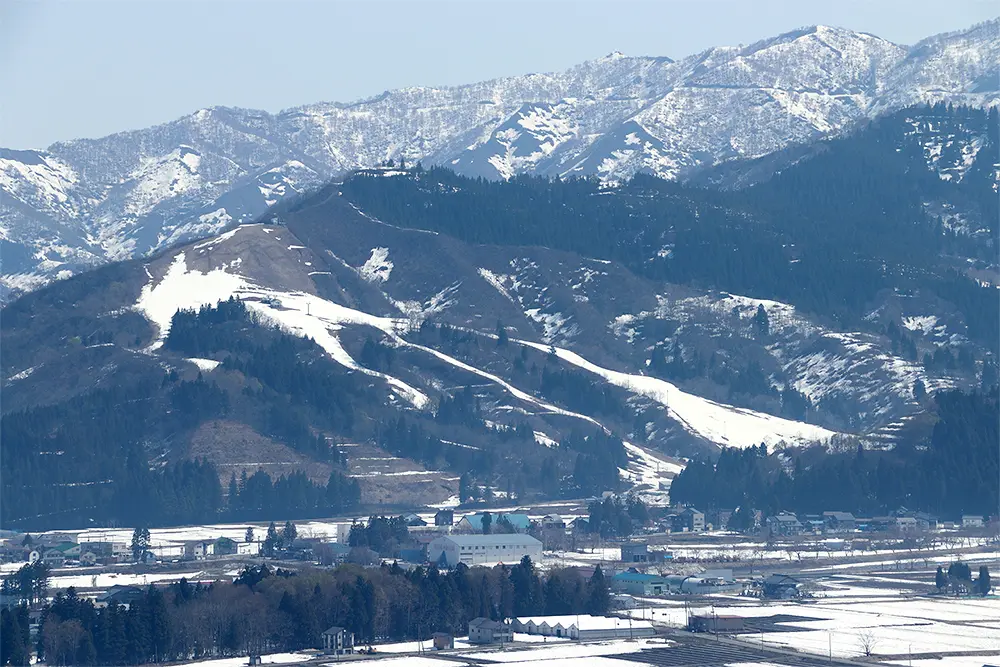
(716,623)
(584,627)
(639,583)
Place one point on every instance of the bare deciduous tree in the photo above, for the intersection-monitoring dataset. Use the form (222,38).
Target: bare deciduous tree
(867,641)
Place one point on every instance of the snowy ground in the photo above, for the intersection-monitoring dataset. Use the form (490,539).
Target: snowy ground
(273,659)
(108,580)
(893,625)
(546,652)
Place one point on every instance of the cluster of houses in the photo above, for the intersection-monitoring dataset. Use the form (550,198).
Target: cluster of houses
(62,549)
(483,631)
(788,524)
(646,584)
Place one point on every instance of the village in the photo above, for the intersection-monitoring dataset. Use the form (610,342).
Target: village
(675,573)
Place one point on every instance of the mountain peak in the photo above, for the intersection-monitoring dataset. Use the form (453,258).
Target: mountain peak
(725,103)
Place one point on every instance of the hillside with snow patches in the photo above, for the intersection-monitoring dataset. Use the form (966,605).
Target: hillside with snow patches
(84,202)
(586,339)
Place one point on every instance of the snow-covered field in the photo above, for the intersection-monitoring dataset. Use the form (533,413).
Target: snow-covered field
(273,659)
(547,652)
(892,625)
(109,579)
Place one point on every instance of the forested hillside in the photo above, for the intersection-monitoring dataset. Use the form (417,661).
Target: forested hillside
(953,472)
(532,339)
(827,234)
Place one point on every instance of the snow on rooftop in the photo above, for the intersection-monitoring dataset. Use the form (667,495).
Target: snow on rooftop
(585,622)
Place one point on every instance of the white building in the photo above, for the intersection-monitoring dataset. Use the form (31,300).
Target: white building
(247,548)
(167,551)
(584,627)
(483,549)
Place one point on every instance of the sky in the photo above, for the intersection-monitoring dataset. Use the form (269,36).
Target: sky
(80,68)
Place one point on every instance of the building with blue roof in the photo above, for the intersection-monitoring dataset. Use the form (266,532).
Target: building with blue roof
(639,583)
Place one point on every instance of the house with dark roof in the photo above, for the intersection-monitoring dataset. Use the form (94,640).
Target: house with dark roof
(338,641)
(839,522)
(784,523)
(485,631)
(444,518)
(689,520)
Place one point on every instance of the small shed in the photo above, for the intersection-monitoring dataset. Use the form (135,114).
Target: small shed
(443,641)
(716,623)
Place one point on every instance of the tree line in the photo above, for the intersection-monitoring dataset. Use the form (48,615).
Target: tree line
(266,610)
(954,471)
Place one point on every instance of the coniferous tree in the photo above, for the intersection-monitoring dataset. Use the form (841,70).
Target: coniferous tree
(272,542)
(983,583)
(598,594)
(140,543)
(761,323)
(502,338)
(288,533)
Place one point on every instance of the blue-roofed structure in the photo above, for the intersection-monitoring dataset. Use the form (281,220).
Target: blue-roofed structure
(639,583)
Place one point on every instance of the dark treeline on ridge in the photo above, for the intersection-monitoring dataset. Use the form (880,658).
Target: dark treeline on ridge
(825,235)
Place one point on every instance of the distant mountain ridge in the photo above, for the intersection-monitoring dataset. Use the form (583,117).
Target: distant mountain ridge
(84,202)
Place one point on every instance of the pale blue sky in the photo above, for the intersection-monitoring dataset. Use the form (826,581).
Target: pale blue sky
(83,68)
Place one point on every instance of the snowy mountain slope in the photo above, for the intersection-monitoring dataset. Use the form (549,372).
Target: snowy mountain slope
(961,67)
(87,201)
(453,357)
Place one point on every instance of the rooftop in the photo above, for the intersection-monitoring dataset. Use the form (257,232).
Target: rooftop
(585,622)
(493,539)
(638,576)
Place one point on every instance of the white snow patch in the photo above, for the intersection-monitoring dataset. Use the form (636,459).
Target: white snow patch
(299,313)
(496,280)
(542,439)
(206,365)
(20,376)
(378,267)
(922,323)
(716,422)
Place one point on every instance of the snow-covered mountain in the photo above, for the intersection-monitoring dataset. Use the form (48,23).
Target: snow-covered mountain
(83,202)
